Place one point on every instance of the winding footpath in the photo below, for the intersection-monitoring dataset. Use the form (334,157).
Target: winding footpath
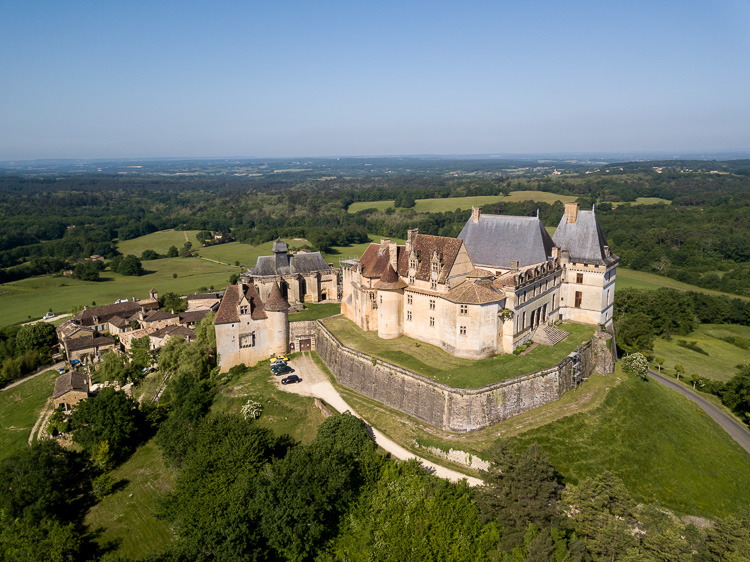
(729,424)
(315,383)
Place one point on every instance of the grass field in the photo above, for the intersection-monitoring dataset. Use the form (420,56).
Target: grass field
(128,517)
(246,254)
(316,311)
(539,196)
(433,362)
(630,278)
(662,445)
(19,410)
(158,241)
(644,201)
(434,205)
(722,359)
(283,412)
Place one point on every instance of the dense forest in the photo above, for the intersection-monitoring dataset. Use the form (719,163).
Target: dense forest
(699,234)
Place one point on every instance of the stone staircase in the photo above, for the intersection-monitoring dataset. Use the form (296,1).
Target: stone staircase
(549,335)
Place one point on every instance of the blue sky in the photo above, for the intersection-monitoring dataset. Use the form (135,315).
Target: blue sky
(286,78)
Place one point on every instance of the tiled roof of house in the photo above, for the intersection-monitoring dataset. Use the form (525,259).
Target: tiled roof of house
(203,296)
(119,322)
(583,239)
(229,308)
(104,313)
(158,315)
(389,280)
(191,316)
(72,380)
(475,291)
(377,257)
(275,302)
(497,240)
(86,342)
(174,330)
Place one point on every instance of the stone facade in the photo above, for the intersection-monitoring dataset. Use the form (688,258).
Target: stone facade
(448,408)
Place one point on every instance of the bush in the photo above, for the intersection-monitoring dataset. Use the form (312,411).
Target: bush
(635,364)
(102,486)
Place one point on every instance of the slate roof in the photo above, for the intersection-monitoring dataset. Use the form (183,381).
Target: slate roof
(496,240)
(72,380)
(583,239)
(229,308)
(311,262)
(86,342)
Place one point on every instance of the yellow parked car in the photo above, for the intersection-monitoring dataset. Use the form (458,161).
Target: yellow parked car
(279,357)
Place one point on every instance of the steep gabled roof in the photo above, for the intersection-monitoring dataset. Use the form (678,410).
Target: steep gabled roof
(475,291)
(389,280)
(275,302)
(86,342)
(497,240)
(583,239)
(447,249)
(229,308)
(104,313)
(377,257)
(72,380)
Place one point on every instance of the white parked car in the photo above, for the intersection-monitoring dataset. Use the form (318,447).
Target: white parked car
(49,315)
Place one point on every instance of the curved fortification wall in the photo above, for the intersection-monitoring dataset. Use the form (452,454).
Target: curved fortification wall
(458,409)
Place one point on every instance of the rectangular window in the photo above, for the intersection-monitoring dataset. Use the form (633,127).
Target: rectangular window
(462,330)
(409,299)
(523,320)
(381,299)
(408,315)
(243,309)
(432,304)
(432,321)
(247,340)
(609,297)
(433,285)
(579,299)
(579,278)
(411,279)
(464,309)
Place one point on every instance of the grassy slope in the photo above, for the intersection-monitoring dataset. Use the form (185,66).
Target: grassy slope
(722,357)
(128,516)
(19,410)
(434,205)
(663,446)
(33,296)
(283,412)
(439,365)
(158,241)
(630,278)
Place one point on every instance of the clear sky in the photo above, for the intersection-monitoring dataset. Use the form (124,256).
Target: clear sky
(104,79)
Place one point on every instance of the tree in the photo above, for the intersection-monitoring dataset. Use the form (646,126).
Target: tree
(636,364)
(659,362)
(110,416)
(86,271)
(24,540)
(205,332)
(39,335)
(172,252)
(147,255)
(113,367)
(635,333)
(130,265)
(736,393)
(172,301)
(679,371)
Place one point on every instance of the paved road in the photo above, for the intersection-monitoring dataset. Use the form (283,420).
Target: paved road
(735,430)
(44,369)
(315,383)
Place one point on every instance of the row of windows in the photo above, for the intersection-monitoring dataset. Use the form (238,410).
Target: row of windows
(539,289)
(461,329)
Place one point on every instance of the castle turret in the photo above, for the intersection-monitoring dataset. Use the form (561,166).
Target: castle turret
(277,310)
(390,304)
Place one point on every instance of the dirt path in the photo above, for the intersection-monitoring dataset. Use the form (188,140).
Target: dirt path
(186,236)
(41,421)
(53,319)
(44,369)
(315,383)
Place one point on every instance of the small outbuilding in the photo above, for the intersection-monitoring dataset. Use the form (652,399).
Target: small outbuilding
(70,389)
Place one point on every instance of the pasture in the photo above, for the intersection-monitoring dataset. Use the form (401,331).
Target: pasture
(632,279)
(538,196)
(158,241)
(434,205)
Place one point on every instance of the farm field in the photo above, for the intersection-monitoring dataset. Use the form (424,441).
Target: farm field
(722,359)
(128,516)
(644,201)
(158,241)
(539,196)
(630,278)
(246,254)
(31,298)
(433,362)
(19,409)
(434,205)
(664,448)
(283,412)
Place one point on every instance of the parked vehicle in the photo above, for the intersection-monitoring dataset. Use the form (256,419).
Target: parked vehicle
(279,358)
(61,370)
(49,315)
(278,363)
(282,370)
(291,379)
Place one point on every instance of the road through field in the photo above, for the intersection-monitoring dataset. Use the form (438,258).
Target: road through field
(315,383)
(734,429)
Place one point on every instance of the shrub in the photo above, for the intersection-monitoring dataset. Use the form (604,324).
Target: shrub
(635,364)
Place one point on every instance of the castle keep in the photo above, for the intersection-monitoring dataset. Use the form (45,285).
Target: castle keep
(487,291)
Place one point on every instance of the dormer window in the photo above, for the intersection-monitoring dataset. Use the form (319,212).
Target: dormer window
(435,267)
(413,263)
(243,309)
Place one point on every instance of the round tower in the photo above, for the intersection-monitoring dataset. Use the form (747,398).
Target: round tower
(277,310)
(390,304)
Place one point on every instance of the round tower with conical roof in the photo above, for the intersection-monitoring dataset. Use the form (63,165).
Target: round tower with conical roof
(390,304)
(277,310)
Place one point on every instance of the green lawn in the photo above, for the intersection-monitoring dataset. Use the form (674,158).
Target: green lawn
(246,254)
(539,196)
(158,241)
(630,278)
(434,205)
(720,364)
(354,250)
(19,410)
(663,446)
(316,311)
(283,412)
(128,516)
(34,296)
(433,362)
(644,201)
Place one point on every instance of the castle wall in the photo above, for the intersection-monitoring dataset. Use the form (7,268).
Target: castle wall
(229,336)
(597,288)
(445,407)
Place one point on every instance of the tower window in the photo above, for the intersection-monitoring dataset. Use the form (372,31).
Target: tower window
(433,285)
(579,299)
(432,304)
(579,278)
(432,321)
(408,315)
(462,330)
(409,299)
(464,309)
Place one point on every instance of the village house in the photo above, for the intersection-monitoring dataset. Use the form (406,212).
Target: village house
(203,301)
(70,389)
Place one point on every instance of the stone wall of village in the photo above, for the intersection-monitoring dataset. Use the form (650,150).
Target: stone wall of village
(457,409)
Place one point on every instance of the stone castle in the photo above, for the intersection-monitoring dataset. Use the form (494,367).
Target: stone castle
(503,281)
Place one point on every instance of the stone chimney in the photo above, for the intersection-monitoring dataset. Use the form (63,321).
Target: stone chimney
(384,243)
(555,252)
(85,307)
(514,265)
(476,212)
(571,212)
(393,255)
(411,236)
